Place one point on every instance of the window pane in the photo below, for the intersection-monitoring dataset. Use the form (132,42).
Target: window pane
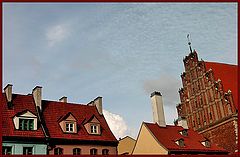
(27,150)
(181,143)
(93,128)
(26,124)
(93,151)
(105,152)
(6,150)
(58,151)
(21,124)
(67,127)
(76,151)
(31,124)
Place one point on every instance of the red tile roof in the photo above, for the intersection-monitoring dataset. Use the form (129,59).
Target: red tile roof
(21,103)
(52,112)
(168,135)
(228,75)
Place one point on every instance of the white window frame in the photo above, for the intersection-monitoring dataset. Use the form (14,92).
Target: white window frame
(69,126)
(27,115)
(94,129)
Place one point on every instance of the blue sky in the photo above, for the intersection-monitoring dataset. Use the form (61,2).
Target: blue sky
(120,51)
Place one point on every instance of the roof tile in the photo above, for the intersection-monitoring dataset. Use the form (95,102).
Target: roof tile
(169,134)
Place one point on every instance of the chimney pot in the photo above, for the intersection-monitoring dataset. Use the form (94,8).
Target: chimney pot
(37,96)
(156,93)
(63,99)
(157,106)
(8,92)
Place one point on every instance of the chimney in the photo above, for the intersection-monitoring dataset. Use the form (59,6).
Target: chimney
(157,106)
(182,122)
(63,99)
(8,92)
(98,103)
(37,96)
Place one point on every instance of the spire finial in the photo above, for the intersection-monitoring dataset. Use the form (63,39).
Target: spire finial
(189,43)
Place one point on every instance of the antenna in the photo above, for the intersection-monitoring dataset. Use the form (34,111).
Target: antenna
(189,43)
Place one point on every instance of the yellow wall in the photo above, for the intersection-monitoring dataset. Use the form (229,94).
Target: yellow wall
(126,145)
(147,144)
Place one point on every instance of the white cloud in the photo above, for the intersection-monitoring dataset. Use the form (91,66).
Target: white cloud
(116,123)
(56,34)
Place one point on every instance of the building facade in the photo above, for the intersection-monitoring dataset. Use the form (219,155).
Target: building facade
(22,132)
(157,138)
(209,100)
(77,129)
(35,126)
(126,145)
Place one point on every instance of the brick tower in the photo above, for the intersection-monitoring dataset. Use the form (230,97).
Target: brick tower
(209,100)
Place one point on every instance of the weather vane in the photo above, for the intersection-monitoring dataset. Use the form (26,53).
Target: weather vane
(189,43)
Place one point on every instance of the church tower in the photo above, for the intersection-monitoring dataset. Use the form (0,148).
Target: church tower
(209,100)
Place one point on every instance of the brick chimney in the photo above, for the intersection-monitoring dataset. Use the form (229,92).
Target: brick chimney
(8,92)
(98,103)
(37,96)
(63,99)
(157,107)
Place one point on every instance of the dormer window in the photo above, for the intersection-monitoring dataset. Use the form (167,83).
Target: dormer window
(180,142)
(68,123)
(26,124)
(25,120)
(184,132)
(93,126)
(206,143)
(69,126)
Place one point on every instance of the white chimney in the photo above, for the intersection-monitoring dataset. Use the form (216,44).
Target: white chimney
(157,106)
(98,103)
(63,99)
(182,122)
(8,92)
(37,96)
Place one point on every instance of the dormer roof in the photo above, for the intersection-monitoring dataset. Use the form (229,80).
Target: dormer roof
(68,116)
